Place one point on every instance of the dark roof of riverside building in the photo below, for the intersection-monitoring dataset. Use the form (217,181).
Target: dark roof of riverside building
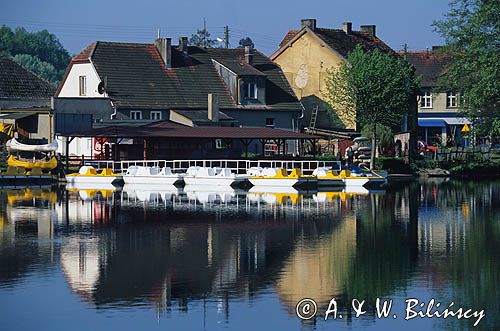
(136,76)
(429,65)
(18,83)
(168,129)
(342,41)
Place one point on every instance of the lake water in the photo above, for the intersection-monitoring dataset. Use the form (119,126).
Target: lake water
(145,259)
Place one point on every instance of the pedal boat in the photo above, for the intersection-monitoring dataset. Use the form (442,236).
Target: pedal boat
(89,175)
(327,177)
(151,175)
(211,176)
(365,179)
(280,178)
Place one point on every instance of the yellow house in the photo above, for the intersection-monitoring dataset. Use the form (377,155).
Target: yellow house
(305,55)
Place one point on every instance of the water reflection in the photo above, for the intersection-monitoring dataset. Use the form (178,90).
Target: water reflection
(168,248)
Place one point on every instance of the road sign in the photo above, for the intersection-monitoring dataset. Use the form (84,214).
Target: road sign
(465,128)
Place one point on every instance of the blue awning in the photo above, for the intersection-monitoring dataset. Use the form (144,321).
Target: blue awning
(434,123)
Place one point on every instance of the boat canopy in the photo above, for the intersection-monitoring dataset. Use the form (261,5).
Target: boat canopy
(14,145)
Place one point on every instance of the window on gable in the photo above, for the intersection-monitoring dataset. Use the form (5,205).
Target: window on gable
(270,122)
(451,100)
(426,100)
(156,115)
(82,85)
(250,90)
(136,115)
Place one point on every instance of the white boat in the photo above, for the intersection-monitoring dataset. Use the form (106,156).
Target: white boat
(327,177)
(367,179)
(151,175)
(211,176)
(279,177)
(89,175)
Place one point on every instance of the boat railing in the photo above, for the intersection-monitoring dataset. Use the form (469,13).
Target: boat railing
(236,166)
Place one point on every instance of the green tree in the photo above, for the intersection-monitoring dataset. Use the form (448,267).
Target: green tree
(246,42)
(39,51)
(471,32)
(371,88)
(202,39)
(43,69)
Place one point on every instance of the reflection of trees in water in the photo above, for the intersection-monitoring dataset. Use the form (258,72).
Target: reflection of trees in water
(471,264)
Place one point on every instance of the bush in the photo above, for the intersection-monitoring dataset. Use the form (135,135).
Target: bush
(393,165)
(476,169)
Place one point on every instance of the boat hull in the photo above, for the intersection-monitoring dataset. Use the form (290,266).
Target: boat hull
(210,180)
(281,182)
(366,182)
(93,179)
(153,180)
(330,182)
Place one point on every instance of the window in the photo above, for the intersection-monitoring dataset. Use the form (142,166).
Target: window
(156,115)
(270,122)
(251,91)
(451,100)
(136,115)
(82,85)
(426,101)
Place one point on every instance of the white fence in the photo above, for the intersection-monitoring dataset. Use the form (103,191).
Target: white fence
(237,166)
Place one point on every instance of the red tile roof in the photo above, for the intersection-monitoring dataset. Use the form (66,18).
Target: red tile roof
(340,41)
(429,65)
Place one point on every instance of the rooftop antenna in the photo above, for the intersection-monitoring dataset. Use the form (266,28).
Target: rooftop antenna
(158,37)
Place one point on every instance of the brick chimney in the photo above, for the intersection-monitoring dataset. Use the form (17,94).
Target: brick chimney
(370,29)
(183,45)
(308,22)
(164,46)
(213,107)
(248,54)
(347,27)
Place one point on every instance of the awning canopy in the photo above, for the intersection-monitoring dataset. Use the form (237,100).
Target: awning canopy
(431,122)
(456,121)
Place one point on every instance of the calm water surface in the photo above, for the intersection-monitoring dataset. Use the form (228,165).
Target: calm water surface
(172,259)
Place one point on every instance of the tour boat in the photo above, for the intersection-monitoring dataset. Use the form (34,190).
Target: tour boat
(278,177)
(211,176)
(89,175)
(151,175)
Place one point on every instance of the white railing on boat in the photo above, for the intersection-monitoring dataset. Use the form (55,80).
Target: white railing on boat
(237,166)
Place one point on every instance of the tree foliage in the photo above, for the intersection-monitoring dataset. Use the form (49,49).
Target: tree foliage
(39,51)
(371,88)
(202,39)
(471,31)
(246,42)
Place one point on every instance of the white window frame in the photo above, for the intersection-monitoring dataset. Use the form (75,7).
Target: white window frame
(136,115)
(271,125)
(451,100)
(249,88)
(82,86)
(156,115)
(426,100)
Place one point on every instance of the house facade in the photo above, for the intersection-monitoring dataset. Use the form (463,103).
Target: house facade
(25,103)
(440,121)
(144,83)
(305,55)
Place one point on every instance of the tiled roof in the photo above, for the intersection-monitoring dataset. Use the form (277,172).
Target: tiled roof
(17,82)
(137,78)
(430,65)
(342,42)
(240,68)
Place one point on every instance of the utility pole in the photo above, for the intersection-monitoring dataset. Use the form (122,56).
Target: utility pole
(226,36)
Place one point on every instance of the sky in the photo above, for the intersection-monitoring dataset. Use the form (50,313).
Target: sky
(79,23)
